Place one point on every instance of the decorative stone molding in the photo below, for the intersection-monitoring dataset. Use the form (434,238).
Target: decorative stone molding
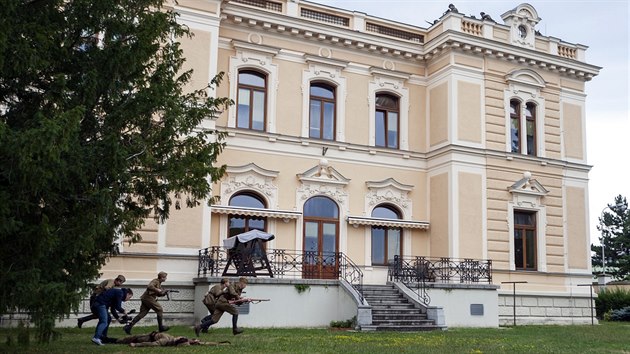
(522,21)
(250,177)
(323,179)
(389,191)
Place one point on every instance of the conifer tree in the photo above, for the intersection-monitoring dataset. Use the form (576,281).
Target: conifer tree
(98,131)
(614,225)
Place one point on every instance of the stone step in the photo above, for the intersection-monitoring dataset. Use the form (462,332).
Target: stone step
(406,328)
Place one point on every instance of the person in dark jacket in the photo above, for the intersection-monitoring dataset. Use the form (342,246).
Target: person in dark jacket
(109,299)
(98,290)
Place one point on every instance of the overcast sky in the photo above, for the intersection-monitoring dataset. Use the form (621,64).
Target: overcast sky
(601,25)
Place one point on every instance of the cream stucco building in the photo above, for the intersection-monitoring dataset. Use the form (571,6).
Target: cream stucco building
(373,138)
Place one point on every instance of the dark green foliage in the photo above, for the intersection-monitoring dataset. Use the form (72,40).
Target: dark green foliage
(611,299)
(621,314)
(351,323)
(614,225)
(96,135)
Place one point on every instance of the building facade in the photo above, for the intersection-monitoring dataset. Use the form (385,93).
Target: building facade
(354,134)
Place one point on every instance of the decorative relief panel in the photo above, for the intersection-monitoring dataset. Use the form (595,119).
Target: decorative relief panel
(389,191)
(250,177)
(323,179)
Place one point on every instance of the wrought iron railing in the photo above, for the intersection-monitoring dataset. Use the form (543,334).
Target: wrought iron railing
(416,272)
(214,261)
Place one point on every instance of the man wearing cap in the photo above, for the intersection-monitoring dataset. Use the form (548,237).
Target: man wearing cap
(98,290)
(149,302)
(210,301)
(110,299)
(225,303)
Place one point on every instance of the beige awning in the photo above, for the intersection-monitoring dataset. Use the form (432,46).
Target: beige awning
(405,224)
(267,213)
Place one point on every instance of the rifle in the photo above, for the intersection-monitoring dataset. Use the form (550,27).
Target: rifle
(244,300)
(167,292)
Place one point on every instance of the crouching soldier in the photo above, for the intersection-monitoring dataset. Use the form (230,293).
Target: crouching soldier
(210,300)
(225,303)
(149,302)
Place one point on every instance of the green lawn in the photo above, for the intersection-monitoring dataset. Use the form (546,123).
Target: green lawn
(603,338)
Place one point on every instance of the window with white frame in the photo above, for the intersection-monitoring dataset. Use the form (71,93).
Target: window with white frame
(323,99)
(387,121)
(525,109)
(389,110)
(253,80)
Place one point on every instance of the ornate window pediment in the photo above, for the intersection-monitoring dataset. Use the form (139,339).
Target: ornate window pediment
(250,177)
(527,191)
(323,179)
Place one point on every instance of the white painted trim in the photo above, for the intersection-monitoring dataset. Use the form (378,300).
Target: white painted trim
(317,71)
(260,61)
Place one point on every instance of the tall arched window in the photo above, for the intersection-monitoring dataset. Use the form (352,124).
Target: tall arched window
(530,124)
(386,241)
(387,122)
(322,111)
(321,238)
(251,101)
(515,125)
(238,224)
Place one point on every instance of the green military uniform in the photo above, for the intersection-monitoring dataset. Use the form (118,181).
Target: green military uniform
(149,302)
(212,295)
(222,305)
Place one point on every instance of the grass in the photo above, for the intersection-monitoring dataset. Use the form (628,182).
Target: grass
(608,337)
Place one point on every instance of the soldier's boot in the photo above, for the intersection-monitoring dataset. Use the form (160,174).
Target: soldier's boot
(127,328)
(162,328)
(235,329)
(206,324)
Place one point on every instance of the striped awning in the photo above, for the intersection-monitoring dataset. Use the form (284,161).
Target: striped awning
(267,213)
(405,224)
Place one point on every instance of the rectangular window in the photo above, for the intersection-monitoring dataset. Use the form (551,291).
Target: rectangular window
(525,240)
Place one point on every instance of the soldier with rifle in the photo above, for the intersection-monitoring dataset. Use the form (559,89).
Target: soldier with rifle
(227,302)
(149,302)
(210,300)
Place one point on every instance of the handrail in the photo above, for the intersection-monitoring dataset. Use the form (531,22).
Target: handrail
(416,272)
(290,264)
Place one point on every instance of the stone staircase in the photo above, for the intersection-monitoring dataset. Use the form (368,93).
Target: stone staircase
(391,311)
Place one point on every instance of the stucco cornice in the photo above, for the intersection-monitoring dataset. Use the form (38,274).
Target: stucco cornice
(282,25)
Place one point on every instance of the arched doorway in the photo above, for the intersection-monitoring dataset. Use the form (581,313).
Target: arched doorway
(321,238)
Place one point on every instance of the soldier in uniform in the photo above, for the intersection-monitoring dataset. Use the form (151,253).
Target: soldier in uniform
(167,340)
(225,303)
(210,301)
(149,302)
(98,290)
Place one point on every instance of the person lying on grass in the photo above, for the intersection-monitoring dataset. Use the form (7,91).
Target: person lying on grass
(157,339)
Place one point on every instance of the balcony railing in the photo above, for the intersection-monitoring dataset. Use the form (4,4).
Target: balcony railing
(416,272)
(214,261)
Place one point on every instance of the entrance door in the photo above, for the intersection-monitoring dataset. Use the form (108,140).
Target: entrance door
(321,228)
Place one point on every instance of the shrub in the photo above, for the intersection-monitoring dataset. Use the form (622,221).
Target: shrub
(611,299)
(621,314)
(351,323)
